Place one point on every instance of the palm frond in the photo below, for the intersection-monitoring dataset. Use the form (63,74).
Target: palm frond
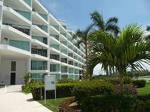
(113,28)
(98,20)
(113,20)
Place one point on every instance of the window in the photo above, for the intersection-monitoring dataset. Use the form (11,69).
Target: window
(13,65)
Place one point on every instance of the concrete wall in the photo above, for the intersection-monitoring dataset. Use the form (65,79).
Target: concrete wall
(5,70)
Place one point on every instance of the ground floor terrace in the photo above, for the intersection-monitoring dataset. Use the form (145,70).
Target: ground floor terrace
(16,63)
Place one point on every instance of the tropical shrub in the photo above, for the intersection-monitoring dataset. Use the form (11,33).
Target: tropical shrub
(108,103)
(91,88)
(139,83)
(65,89)
(127,89)
(36,89)
(66,81)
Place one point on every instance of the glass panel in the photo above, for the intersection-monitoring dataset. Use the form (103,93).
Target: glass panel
(64,76)
(71,70)
(42,52)
(37,76)
(20,44)
(38,65)
(25,14)
(54,67)
(13,65)
(44,16)
(64,69)
(56,46)
(29,2)
(54,56)
(41,39)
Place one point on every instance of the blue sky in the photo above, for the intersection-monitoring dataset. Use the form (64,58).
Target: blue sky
(76,12)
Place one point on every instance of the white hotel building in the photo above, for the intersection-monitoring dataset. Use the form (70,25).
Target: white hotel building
(33,41)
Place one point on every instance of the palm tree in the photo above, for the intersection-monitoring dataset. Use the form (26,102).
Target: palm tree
(109,26)
(127,50)
(148,36)
(83,38)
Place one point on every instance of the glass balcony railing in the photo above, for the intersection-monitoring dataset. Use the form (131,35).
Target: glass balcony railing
(29,2)
(44,16)
(38,65)
(70,62)
(37,76)
(25,14)
(64,60)
(64,34)
(54,56)
(54,68)
(21,28)
(24,45)
(41,52)
(64,42)
(55,36)
(64,51)
(70,54)
(57,47)
(56,27)
(64,69)
(76,71)
(42,27)
(41,39)
(71,70)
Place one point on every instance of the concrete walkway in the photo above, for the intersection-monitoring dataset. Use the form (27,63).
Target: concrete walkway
(19,102)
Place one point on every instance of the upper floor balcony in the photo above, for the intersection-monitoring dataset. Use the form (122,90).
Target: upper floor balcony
(24,5)
(38,7)
(12,32)
(38,31)
(23,45)
(41,39)
(41,52)
(38,18)
(12,16)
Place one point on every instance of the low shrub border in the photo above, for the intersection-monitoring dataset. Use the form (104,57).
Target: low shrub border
(139,83)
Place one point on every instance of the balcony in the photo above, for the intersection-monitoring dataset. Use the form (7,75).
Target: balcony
(15,17)
(54,56)
(64,51)
(38,65)
(19,4)
(38,7)
(8,50)
(55,46)
(55,36)
(24,45)
(55,68)
(64,60)
(36,30)
(64,69)
(14,33)
(41,39)
(41,52)
(53,29)
(29,2)
(38,43)
(37,18)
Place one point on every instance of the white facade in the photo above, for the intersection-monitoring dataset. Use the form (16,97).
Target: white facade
(34,41)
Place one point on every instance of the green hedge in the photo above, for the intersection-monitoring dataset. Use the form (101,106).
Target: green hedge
(108,103)
(115,103)
(91,88)
(139,83)
(65,89)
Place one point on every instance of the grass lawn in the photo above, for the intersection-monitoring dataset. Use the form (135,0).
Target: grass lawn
(53,104)
(145,90)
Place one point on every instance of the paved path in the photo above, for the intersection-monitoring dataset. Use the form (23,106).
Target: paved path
(19,102)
